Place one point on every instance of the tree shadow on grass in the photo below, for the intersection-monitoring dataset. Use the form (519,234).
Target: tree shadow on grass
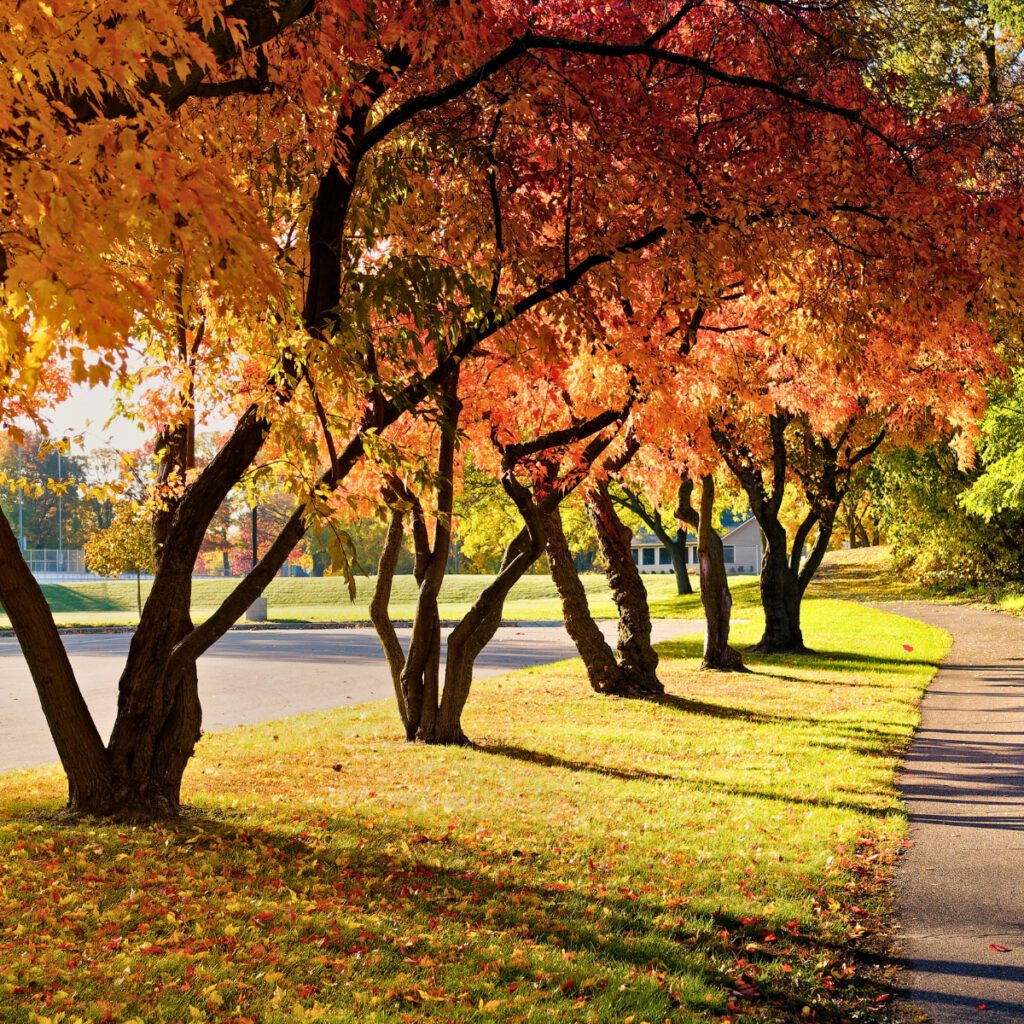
(395,909)
(722,711)
(553,761)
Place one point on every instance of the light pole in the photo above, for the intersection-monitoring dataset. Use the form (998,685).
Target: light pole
(21,505)
(60,514)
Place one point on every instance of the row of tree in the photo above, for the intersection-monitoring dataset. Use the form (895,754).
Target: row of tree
(586,242)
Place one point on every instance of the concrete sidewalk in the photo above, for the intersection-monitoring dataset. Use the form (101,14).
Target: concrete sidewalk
(961,885)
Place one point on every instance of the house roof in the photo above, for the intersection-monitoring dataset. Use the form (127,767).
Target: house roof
(644,538)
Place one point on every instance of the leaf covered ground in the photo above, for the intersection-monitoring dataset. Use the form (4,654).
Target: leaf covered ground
(719,856)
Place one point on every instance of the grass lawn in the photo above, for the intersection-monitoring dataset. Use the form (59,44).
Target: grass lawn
(326,599)
(719,856)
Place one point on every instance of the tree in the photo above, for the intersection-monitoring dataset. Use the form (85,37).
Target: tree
(316,224)
(540,464)
(673,540)
(125,546)
(817,423)
(715,596)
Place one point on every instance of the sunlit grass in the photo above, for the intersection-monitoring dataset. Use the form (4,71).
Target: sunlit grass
(326,599)
(719,854)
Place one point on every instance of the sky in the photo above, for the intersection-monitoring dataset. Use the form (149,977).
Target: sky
(86,413)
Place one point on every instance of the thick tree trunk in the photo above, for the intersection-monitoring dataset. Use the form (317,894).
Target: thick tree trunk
(154,737)
(781,596)
(635,654)
(715,595)
(603,671)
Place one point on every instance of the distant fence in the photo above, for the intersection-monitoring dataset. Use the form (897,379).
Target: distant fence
(51,562)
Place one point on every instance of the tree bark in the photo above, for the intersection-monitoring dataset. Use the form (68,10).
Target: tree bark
(715,596)
(81,751)
(379,614)
(475,631)
(635,654)
(714,588)
(674,543)
(603,671)
(780,595)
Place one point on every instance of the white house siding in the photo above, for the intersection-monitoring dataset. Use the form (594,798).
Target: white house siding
(742,550)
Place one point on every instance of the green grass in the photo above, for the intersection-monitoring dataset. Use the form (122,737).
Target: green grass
(720,856)
(326,599)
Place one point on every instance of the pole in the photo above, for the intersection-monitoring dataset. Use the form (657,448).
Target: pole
(60,515)
(255,527)
(21,506)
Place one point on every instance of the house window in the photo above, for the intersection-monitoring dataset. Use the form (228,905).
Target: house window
(664,556)
(636,556)
(648,556)
(729,553)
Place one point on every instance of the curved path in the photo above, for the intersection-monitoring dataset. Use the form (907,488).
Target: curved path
(257,676)
(961,884)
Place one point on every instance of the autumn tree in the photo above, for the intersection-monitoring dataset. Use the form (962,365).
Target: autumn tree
(125,546)
(314,215)
(816,422)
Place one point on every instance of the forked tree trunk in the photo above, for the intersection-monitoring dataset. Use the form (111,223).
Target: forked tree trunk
(635,653)
(781,595)
(603,671)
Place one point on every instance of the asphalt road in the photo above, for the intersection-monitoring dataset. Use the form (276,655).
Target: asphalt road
(961,884)
(258,676)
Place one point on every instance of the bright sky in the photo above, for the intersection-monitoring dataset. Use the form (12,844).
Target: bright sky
(86,413)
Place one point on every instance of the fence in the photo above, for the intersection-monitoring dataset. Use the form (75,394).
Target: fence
(65,565)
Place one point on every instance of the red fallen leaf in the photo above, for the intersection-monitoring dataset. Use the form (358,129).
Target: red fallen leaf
(883,998)
(907,647)
(981,1006)
(998,948)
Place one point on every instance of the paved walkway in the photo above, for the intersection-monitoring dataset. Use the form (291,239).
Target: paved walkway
(258,676)
(961,885)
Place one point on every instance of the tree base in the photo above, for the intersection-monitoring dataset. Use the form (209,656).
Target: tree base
(729,661)
(128,810)
(436,739)
(771,646)
(633,688)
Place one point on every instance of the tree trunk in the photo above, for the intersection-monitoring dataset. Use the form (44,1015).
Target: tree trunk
(81,751)
(714,588)
(780,596)
(225,562)
(635,654)
(603,671)
(158,726)
(475,631)
(677,549)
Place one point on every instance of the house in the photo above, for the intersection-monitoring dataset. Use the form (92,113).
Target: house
(741,541)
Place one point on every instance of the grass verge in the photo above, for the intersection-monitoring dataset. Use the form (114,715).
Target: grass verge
(326,599)
(719,856)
